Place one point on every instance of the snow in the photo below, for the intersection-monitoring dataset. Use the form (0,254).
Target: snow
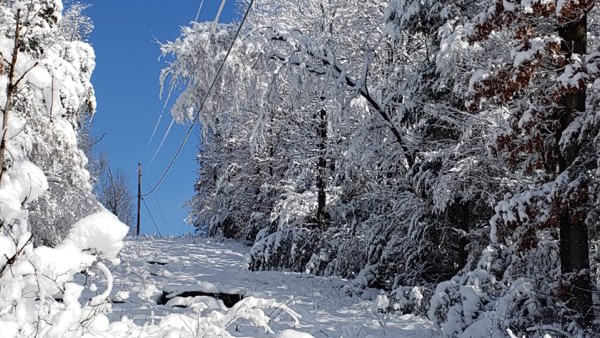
(381,303)
(3,84)
(537,46)
(101,231)
(304,306)
(9,329)
(478,76)
(31,180)
(94,285)
(294,334)
(559,6)
(60,263)
(198,303)
(275,304)
(39,77)
(24,182)
(38,295)
(101,298)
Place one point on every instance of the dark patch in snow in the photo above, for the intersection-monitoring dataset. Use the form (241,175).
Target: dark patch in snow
(157,263)
(229,299)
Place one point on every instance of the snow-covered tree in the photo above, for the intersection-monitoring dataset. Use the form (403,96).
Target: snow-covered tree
(527,64)
(55,103)
(410,143)
(75,25)
(44,86)
(115,195)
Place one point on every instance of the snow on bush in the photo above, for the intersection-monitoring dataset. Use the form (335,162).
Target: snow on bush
(408,299)
(288,249)
(90,233)
(37,293)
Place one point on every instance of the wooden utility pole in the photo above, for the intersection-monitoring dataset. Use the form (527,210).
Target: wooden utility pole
(139,198)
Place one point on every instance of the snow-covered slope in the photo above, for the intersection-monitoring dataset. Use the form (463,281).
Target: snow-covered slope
(151,266)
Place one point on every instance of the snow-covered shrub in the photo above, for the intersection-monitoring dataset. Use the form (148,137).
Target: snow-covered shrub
(461,305)
(488,301)
(216,323)
(37,293)
(285,249)
(517,283)
(415,300)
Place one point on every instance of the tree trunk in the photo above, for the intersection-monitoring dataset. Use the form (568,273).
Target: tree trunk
(322,168)
(10,91)
(574,244)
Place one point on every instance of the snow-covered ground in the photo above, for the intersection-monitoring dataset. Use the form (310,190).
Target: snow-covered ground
(150,266)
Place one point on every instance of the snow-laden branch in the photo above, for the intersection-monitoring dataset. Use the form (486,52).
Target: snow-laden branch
(328,61)
(101,298)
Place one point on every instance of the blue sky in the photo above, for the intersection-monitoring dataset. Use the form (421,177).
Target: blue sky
(127,90)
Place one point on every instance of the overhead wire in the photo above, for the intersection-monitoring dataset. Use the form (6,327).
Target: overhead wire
(151,217)
(162,143)
(197,115)
(218,17)
(160,209)
(199,11)
(154,131)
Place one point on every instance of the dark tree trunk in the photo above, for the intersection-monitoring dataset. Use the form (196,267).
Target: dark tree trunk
(270,134)
(574,245)
(322,167)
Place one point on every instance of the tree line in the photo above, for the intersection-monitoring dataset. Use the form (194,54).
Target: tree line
(445,151)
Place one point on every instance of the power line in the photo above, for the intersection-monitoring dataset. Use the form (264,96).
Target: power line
(151,217)
(189,132)
(162,212)
(164,217)
(199,10)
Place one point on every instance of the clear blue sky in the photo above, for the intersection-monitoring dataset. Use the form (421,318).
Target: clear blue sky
(126,81)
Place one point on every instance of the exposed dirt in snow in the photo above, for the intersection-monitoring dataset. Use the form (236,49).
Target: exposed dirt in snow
(180,265)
